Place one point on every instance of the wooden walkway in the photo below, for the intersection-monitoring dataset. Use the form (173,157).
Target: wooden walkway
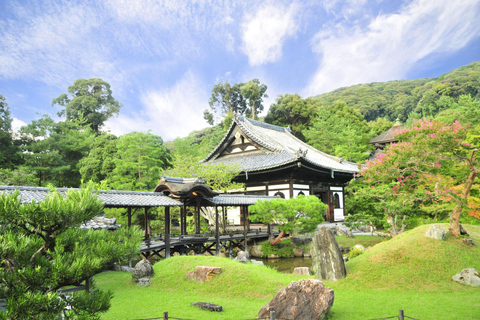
(201,243)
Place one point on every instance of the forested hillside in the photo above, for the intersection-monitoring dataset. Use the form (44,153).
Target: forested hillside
(425,97)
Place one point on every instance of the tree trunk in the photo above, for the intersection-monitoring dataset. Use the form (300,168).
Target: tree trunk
(457,211)
(278,238)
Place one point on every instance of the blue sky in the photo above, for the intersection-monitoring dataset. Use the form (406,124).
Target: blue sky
(162,58)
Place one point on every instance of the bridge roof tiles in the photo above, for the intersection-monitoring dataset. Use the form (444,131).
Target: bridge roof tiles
(110,198)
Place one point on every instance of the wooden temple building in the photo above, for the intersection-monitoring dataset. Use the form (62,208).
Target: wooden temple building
(387,137)
(276,163)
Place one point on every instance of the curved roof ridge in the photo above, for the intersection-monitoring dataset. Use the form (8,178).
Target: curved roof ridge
(256,137)
(229,131)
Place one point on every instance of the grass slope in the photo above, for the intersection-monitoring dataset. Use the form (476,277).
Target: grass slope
(409,272)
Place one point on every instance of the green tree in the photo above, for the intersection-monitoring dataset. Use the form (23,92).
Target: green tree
(38,153)
(225,99)
(291,110)
(254,92)
(90,102)
(341,131)
(53,150)
(140,159)
(300,215)
(42,251)
(100,161)
(20,176)
(10,155)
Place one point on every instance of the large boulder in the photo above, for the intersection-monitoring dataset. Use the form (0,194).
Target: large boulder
(298,252)
(256,251)
(203,273)
(307,299)
(469,276)
(143,269)
(327,259)
(435,232)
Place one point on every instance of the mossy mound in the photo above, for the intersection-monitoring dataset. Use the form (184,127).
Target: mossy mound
(412,261)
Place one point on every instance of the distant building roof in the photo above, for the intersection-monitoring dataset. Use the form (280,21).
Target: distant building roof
(275,146)
(389,135)
(182,188)
(110,198)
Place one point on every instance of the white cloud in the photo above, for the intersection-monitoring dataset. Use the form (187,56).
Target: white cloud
(50,42)
(170,113)
(17,124)
(391,44)
(265,32)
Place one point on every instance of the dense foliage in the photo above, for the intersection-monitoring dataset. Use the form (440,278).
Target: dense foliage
(42,251)
(299,215)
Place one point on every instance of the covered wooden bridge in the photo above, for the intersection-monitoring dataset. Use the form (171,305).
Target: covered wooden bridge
(174,192)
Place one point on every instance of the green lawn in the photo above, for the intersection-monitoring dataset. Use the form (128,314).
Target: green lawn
(409,272)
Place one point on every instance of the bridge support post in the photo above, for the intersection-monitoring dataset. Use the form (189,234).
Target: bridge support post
(167,232)
(244,227)
(217,233)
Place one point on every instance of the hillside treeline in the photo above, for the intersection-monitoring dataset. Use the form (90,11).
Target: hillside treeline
(340,122)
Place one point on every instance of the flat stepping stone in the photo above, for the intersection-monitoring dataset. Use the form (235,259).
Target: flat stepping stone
(208,306)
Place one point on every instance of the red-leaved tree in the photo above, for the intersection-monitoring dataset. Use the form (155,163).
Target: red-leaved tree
(425,164)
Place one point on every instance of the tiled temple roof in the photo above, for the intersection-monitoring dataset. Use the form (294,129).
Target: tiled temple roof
(279,147)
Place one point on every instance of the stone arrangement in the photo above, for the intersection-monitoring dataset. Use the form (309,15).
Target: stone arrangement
(143,270)
(208,306)
(302,271)
(435,232)
(101,222)
(469,276)
(307,299)
(204,273)
(327,259)
(242,257)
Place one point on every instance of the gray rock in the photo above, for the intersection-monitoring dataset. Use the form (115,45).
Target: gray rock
(298,252)
(359,247)
(463,232)
(204,273)
(307,255)
(340,231)
(258,263)
(242,257)
(298,241)
(469,276)
(435,232)
(327,260)
(307,299)
(468,242)
(144,282)
(208,306)
(302,271)
(142,269)
(256,251)
(126,269)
